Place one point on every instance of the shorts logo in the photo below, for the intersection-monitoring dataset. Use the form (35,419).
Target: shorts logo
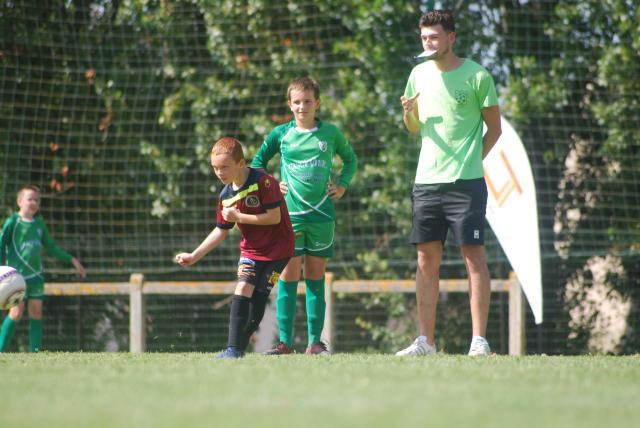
(476,234)
(323,146)
(252,201)
(460,96)
(273,279)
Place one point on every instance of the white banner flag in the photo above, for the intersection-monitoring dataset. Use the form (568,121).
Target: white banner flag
(513,214)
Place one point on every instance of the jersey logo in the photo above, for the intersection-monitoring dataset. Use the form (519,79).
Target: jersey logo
(267,183)
(460,96)
(252,201)
(323,145)
(231,201)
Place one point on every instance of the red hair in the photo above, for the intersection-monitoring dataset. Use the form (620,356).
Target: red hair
(228,146)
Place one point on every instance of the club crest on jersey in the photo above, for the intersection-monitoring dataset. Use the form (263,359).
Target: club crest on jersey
(267,183)
(323,145)
(252,201)
(460,96)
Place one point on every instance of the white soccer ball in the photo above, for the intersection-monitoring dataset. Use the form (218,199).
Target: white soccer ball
(12,287)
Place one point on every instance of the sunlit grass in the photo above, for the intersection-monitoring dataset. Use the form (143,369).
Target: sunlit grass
(345,390)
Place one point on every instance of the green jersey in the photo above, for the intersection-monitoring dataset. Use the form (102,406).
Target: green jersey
(451,124)
(306,161)
(21,245)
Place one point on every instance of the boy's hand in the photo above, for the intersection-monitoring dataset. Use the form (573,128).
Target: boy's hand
(335,192)
(283,188)
(231,214)
(185,259)
(408,104)
(79,268)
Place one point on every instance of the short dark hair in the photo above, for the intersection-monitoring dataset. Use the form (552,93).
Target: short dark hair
(435,17)
(304,84)
(228,146)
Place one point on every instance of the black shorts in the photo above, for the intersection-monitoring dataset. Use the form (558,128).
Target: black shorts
(262,274)
(461,206)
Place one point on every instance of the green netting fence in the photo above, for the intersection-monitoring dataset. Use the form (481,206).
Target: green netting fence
(112,106)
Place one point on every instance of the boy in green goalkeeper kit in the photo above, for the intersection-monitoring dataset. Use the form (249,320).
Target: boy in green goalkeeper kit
(23,236)
(307,146)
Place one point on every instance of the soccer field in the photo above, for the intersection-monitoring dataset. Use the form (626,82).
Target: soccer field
(357,390)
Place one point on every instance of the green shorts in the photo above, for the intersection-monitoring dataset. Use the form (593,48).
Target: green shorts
(315,239)
(35,289)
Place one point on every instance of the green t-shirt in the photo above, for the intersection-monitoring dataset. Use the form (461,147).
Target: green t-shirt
(306,160)
(451,122)
(21,245)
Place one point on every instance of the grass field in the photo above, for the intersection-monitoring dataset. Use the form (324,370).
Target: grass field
(349,390)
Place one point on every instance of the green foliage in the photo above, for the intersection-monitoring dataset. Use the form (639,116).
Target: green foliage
(534,90)
(167,195)
(591,78)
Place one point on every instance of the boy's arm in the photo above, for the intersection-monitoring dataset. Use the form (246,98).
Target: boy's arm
(488,103)
(272,216)
(5,239)
(51,247)
(491,117)
(210,242)
(349,161)
(267,150)
(410,113)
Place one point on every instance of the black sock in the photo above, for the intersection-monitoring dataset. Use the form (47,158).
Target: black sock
(238,318)
(256,312)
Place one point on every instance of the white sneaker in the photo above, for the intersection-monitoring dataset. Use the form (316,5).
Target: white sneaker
(418,348)
(479,347)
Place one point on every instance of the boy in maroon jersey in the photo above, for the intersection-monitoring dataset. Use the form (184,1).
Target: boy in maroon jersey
(252,199)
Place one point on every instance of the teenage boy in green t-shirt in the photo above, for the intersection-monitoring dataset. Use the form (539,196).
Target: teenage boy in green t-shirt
(447,100)
(307,147)
(24,234)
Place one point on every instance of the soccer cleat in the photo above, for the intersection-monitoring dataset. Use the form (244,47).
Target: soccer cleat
(479,347)
(280,349)
(230,352)
(317,348)
(418,348)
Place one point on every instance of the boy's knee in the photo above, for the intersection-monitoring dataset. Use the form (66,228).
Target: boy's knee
(428,265)
(35,309)
(244,289)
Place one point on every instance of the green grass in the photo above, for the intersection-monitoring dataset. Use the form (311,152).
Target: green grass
(194,390)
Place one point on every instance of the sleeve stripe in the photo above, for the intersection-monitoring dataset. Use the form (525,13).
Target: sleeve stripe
(273,205)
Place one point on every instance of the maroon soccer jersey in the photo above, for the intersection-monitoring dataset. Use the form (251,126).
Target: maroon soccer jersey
(258,194)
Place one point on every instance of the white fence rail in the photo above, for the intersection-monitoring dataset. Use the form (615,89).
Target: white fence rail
(137,288)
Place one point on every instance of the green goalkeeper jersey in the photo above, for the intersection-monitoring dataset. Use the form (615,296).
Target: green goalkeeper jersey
(306,162)
(21,246)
